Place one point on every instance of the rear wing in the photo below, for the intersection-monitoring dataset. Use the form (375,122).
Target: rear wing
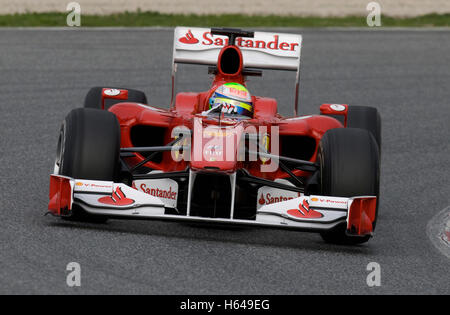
(274,51)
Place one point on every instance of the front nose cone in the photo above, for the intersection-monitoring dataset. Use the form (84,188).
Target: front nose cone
(215,148)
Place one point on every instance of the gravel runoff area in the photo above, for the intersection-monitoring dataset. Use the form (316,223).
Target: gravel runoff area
(403,8)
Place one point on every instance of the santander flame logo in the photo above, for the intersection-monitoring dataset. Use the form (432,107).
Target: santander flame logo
(189,38)
(118,198)
(305,212)
(261,200)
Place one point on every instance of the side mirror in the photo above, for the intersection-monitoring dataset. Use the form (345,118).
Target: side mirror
(335,110)
(114,94)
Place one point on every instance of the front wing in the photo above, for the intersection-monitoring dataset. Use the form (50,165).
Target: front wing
(307,213)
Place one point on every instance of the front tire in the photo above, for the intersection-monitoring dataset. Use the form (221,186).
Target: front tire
(349,167)
(88,148)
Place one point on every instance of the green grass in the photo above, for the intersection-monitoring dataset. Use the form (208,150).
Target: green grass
(231,20)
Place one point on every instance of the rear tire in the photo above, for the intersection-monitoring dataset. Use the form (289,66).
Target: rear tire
(94,98)
(367,118)
(349,167)
(363,117)
(88,148)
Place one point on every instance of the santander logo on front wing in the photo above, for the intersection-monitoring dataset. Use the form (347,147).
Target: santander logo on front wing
(117,198)
(305,212)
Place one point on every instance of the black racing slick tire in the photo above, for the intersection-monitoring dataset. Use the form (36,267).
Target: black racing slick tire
(365,117)
(349,166)
(94,98)
(89,148)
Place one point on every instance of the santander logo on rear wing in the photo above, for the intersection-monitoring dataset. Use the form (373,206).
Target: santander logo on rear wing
(266,50)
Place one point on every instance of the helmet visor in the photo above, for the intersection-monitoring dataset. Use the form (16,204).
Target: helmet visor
(233,107)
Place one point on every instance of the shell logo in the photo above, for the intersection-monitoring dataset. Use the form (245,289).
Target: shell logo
(79,183)
(314,199)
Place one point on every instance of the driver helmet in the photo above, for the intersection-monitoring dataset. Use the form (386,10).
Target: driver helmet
(235,99)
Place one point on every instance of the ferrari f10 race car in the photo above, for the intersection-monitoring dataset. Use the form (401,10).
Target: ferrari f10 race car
(221,156)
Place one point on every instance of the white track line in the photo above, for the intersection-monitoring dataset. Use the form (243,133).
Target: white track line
(438,230)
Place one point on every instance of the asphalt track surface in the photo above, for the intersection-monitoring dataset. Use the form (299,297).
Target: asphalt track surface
(46,73)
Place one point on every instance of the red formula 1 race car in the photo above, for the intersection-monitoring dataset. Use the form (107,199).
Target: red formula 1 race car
(221,156)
